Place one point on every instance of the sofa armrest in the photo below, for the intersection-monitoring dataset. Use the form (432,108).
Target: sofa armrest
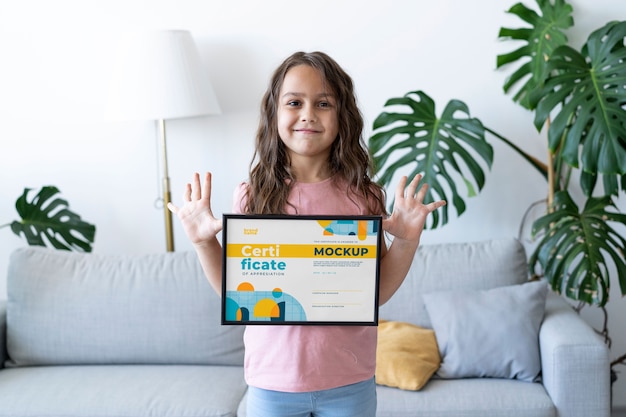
(575,362)
(3,333)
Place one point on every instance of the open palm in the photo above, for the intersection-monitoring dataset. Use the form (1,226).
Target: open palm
(195,214)
(409,211)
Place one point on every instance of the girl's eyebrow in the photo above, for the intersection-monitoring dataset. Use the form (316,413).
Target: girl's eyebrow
(296,94)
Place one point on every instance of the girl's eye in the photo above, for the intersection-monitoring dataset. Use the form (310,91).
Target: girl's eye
(293,103)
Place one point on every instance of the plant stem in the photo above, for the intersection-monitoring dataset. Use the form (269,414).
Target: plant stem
(551,173)
(540,166)
(4,225)
(525,216)
(619,361)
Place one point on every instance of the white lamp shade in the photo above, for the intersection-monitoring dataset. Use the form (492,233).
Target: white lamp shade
(159,75)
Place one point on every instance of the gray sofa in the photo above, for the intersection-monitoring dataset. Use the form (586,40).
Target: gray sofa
(102,335)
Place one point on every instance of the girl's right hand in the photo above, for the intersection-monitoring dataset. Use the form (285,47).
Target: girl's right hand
(195,214)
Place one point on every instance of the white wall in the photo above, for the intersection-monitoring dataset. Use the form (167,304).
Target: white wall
(55,57)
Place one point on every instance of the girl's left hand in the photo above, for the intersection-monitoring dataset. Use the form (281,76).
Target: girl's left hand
(409,211)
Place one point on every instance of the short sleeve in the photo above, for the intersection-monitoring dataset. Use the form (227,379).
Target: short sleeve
(239,198)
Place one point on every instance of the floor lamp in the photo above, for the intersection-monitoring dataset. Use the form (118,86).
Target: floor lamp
(159,76)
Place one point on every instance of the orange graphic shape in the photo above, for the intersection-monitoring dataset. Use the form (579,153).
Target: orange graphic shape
(245,286)
(362,229)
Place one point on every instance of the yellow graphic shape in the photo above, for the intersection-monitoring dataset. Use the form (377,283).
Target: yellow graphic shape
(266,308)
(245,286)
(324,223)
(234,250)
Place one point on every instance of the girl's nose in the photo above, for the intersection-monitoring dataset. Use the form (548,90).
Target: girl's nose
(307,114)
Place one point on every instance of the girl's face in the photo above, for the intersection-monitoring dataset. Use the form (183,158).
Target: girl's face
(307,116)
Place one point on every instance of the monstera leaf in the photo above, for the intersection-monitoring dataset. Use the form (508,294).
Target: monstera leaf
(576,247)
(47,218)
(444,149)
(543,36)
(587,88)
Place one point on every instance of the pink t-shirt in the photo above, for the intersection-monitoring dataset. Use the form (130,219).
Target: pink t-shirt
(309,358)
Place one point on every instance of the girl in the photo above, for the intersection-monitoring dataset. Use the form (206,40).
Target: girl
(310,159)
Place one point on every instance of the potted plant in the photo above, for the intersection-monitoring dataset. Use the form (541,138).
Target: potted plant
(578,98)
(47,220)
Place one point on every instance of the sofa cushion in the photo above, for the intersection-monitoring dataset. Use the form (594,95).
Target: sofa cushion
(86,308)
(489,333)
(122,390)
(470,397)
(463,266)
(406,355)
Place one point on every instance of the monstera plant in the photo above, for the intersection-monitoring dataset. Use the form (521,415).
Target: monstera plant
(579,99)
(47,220)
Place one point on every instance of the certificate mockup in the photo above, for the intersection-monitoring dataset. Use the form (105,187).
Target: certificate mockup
(301,269)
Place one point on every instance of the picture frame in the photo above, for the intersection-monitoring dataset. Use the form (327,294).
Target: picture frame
(300,270)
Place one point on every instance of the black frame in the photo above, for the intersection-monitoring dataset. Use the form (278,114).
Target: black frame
(227,218)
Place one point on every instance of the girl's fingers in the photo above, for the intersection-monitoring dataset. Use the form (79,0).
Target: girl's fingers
(195,188)
(412,188)
(421,193)
(187,193)
(172,207)
(206,188)
(400,188)
(434,206)
(403,191)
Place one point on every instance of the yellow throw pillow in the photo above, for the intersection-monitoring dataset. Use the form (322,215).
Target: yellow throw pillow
(406,356)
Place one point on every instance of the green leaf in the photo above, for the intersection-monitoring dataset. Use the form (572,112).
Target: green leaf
(588,89)
(575,248)
(46,219)
(444,149)
(543,36)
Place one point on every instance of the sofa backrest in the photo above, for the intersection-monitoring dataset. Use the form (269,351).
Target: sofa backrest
(78,308)
(459,266)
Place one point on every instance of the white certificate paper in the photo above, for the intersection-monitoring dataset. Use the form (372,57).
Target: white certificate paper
(301,269)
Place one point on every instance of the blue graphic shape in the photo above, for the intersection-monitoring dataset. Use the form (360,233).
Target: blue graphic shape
(289,309)
(351,227)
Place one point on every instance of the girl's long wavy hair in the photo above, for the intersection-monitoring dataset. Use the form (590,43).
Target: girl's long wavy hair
(270,175)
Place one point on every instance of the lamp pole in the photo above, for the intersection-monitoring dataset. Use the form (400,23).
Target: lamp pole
(167,195)
(159,76)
